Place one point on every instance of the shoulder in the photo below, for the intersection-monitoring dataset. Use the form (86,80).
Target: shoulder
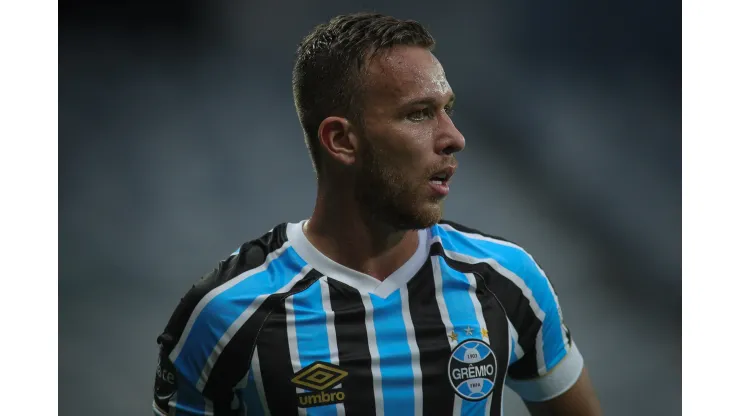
(477,246)
(505,261)
(211,335)
(258,267)
(248,259)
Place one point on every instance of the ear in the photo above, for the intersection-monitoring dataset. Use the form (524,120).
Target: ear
(338,139)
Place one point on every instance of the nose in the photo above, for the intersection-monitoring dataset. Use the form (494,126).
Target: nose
(450,139)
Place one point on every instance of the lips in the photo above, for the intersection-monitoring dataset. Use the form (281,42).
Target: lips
(443,176)
(439,182)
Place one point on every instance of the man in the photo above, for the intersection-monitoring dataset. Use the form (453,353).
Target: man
(374,305)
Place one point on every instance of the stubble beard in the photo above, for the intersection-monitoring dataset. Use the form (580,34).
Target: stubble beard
(389,195)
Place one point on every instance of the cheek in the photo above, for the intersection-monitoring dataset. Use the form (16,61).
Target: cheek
(412,141)
(403,146)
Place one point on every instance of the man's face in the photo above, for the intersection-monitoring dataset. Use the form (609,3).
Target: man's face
(408,139)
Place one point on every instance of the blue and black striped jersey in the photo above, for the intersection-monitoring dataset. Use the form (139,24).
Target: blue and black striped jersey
(279,329)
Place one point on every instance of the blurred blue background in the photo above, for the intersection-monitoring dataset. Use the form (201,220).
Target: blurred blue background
(172,116)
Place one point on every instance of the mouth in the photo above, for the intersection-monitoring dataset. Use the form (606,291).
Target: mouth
(440,180)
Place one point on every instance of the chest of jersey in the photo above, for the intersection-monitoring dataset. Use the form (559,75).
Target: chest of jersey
(437,345)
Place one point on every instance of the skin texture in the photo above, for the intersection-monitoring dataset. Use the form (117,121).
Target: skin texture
(375,190)
(404,142)
(375,181)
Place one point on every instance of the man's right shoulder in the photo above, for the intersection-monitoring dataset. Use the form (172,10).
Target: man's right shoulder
(252,258)
(209,339)
(249,256)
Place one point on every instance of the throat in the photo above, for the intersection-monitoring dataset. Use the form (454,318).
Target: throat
(378,259)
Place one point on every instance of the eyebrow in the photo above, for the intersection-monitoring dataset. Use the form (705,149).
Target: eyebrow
(428,101)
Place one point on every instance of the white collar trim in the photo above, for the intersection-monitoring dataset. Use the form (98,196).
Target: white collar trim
(362,282)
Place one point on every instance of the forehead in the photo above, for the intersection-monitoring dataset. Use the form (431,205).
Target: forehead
(404,73)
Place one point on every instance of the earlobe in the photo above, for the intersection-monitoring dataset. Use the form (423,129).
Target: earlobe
(338,139)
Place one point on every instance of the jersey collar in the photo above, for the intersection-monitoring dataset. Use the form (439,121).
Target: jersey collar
(364,283)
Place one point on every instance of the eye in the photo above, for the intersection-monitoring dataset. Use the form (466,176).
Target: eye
(418,115)
(449,110)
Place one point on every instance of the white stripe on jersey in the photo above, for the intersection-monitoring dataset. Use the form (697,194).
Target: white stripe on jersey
(173,403)
(482,324)
(331,332)
(510,244)
(330,329)
(518,351)
(256,372)
(476,305)
(511,327)
(415,355)
(157,410)
(448,227)
(445,314)
(552,384)
(217,291)
(259,383)
(519,282)
(295,360)
(374,355)
(540,349)
(237,324)
(457,407)
(557,303)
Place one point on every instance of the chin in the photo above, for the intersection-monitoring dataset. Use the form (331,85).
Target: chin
(420,218)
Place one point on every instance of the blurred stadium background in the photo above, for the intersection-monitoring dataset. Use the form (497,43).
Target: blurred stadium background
(171,116)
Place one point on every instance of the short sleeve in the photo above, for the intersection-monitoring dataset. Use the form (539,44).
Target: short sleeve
(177,385)
(550,363)
(207,345)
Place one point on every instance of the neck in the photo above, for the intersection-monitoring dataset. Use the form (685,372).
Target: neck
(339,229)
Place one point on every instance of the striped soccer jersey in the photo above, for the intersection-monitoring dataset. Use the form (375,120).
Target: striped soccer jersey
(280,329)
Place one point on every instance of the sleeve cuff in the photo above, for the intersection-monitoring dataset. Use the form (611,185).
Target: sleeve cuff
(559,380)
(158,411)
